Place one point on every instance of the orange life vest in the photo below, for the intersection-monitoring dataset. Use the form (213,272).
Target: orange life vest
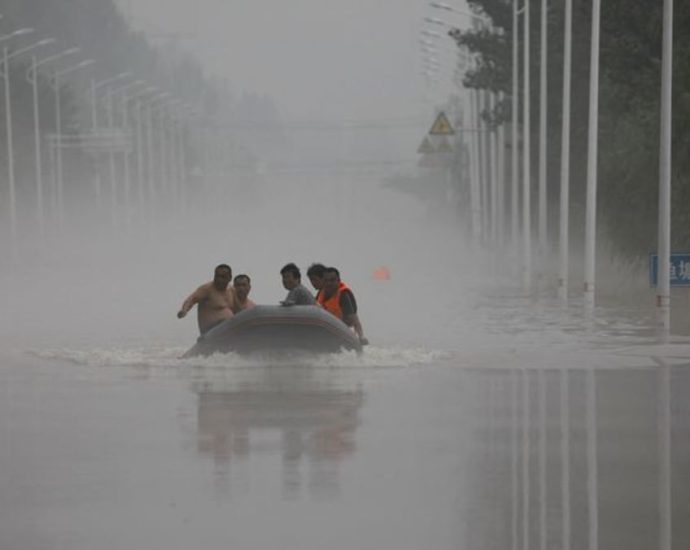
(332,304)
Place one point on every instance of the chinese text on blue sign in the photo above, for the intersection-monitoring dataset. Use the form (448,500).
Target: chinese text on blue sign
(680,269)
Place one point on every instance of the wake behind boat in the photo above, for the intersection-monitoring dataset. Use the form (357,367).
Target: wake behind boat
(278,328)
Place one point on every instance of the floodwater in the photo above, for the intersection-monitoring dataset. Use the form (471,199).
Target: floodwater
(478,418)
(502,445)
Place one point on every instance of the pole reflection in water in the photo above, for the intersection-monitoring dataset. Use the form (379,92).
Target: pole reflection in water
(515,394)
(525,460)
(665,454)
(605,472)
(592,465)
(541,378)
(285,413)
(565,460)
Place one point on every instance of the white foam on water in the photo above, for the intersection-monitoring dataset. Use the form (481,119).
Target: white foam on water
(171,357)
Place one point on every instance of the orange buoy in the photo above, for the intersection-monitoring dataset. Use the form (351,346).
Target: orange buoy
(382,274)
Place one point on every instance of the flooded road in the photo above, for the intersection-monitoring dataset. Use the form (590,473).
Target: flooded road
(503,446)
(478,418)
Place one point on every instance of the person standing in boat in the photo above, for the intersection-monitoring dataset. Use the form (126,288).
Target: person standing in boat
(298,294)
(242,285)
(315,274)
(215,300)
(337,298)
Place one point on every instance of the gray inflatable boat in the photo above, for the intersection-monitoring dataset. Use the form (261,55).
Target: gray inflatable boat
(278,328)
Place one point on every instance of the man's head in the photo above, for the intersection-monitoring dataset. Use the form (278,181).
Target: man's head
(331,280)
(222,276)
(291,276)
(242,284)
(315,274)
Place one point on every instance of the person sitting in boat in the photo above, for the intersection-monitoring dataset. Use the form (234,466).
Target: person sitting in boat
(337,298)
(242,285)
(215,300)
(298,294)
(315,274)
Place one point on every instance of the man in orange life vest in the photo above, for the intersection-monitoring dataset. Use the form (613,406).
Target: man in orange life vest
(337,298)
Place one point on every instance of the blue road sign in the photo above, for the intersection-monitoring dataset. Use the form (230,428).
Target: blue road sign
(680,269)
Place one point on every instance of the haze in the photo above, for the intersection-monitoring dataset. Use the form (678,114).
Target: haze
(493,406)
(319,60)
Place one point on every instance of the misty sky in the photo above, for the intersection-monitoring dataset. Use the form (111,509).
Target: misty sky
(319,59)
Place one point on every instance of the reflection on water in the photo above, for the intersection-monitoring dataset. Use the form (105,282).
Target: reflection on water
(280,412)
(581,459)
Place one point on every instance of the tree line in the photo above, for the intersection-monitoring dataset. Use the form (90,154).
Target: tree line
(629,104)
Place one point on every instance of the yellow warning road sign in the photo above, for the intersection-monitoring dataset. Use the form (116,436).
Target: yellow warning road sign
(441,126)
(425,147)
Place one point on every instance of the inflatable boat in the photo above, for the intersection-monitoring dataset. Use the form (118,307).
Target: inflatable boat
(278,328)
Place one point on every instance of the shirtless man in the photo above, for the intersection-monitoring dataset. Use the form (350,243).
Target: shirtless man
(242,285)
(216,301)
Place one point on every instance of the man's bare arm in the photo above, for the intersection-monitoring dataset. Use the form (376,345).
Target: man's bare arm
(194,298)
(236,306)
(354,322)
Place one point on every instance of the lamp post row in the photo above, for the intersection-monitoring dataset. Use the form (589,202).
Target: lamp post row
(522,225)
(36,62)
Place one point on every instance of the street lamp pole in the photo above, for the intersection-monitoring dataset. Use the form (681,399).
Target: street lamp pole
(32,77)
(139,156)
(58,131)
(543,90)
(138,114)
(8,125)
(95,86)
(526,176)
(150,150)
(515,159)
(664,253)
(564,244)
(592,152)
(125,127)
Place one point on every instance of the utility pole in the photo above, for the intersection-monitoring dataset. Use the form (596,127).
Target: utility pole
(564,245)
(592,152)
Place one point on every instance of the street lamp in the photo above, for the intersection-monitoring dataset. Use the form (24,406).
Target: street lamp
(125,126)
(32,77)
(8,117)
(161,96)
(10,164)
(664,237)
(58,132)
(95,86)
(486,194)
(564,240)
(140,139)
(427,32)
(592,153)
(111,153)
(526,173)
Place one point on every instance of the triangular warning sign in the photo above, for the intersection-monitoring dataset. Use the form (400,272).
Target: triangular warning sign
(444,146)
(441,126)
(425,147)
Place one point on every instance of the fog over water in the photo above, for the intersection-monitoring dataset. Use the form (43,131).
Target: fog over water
(480,415)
